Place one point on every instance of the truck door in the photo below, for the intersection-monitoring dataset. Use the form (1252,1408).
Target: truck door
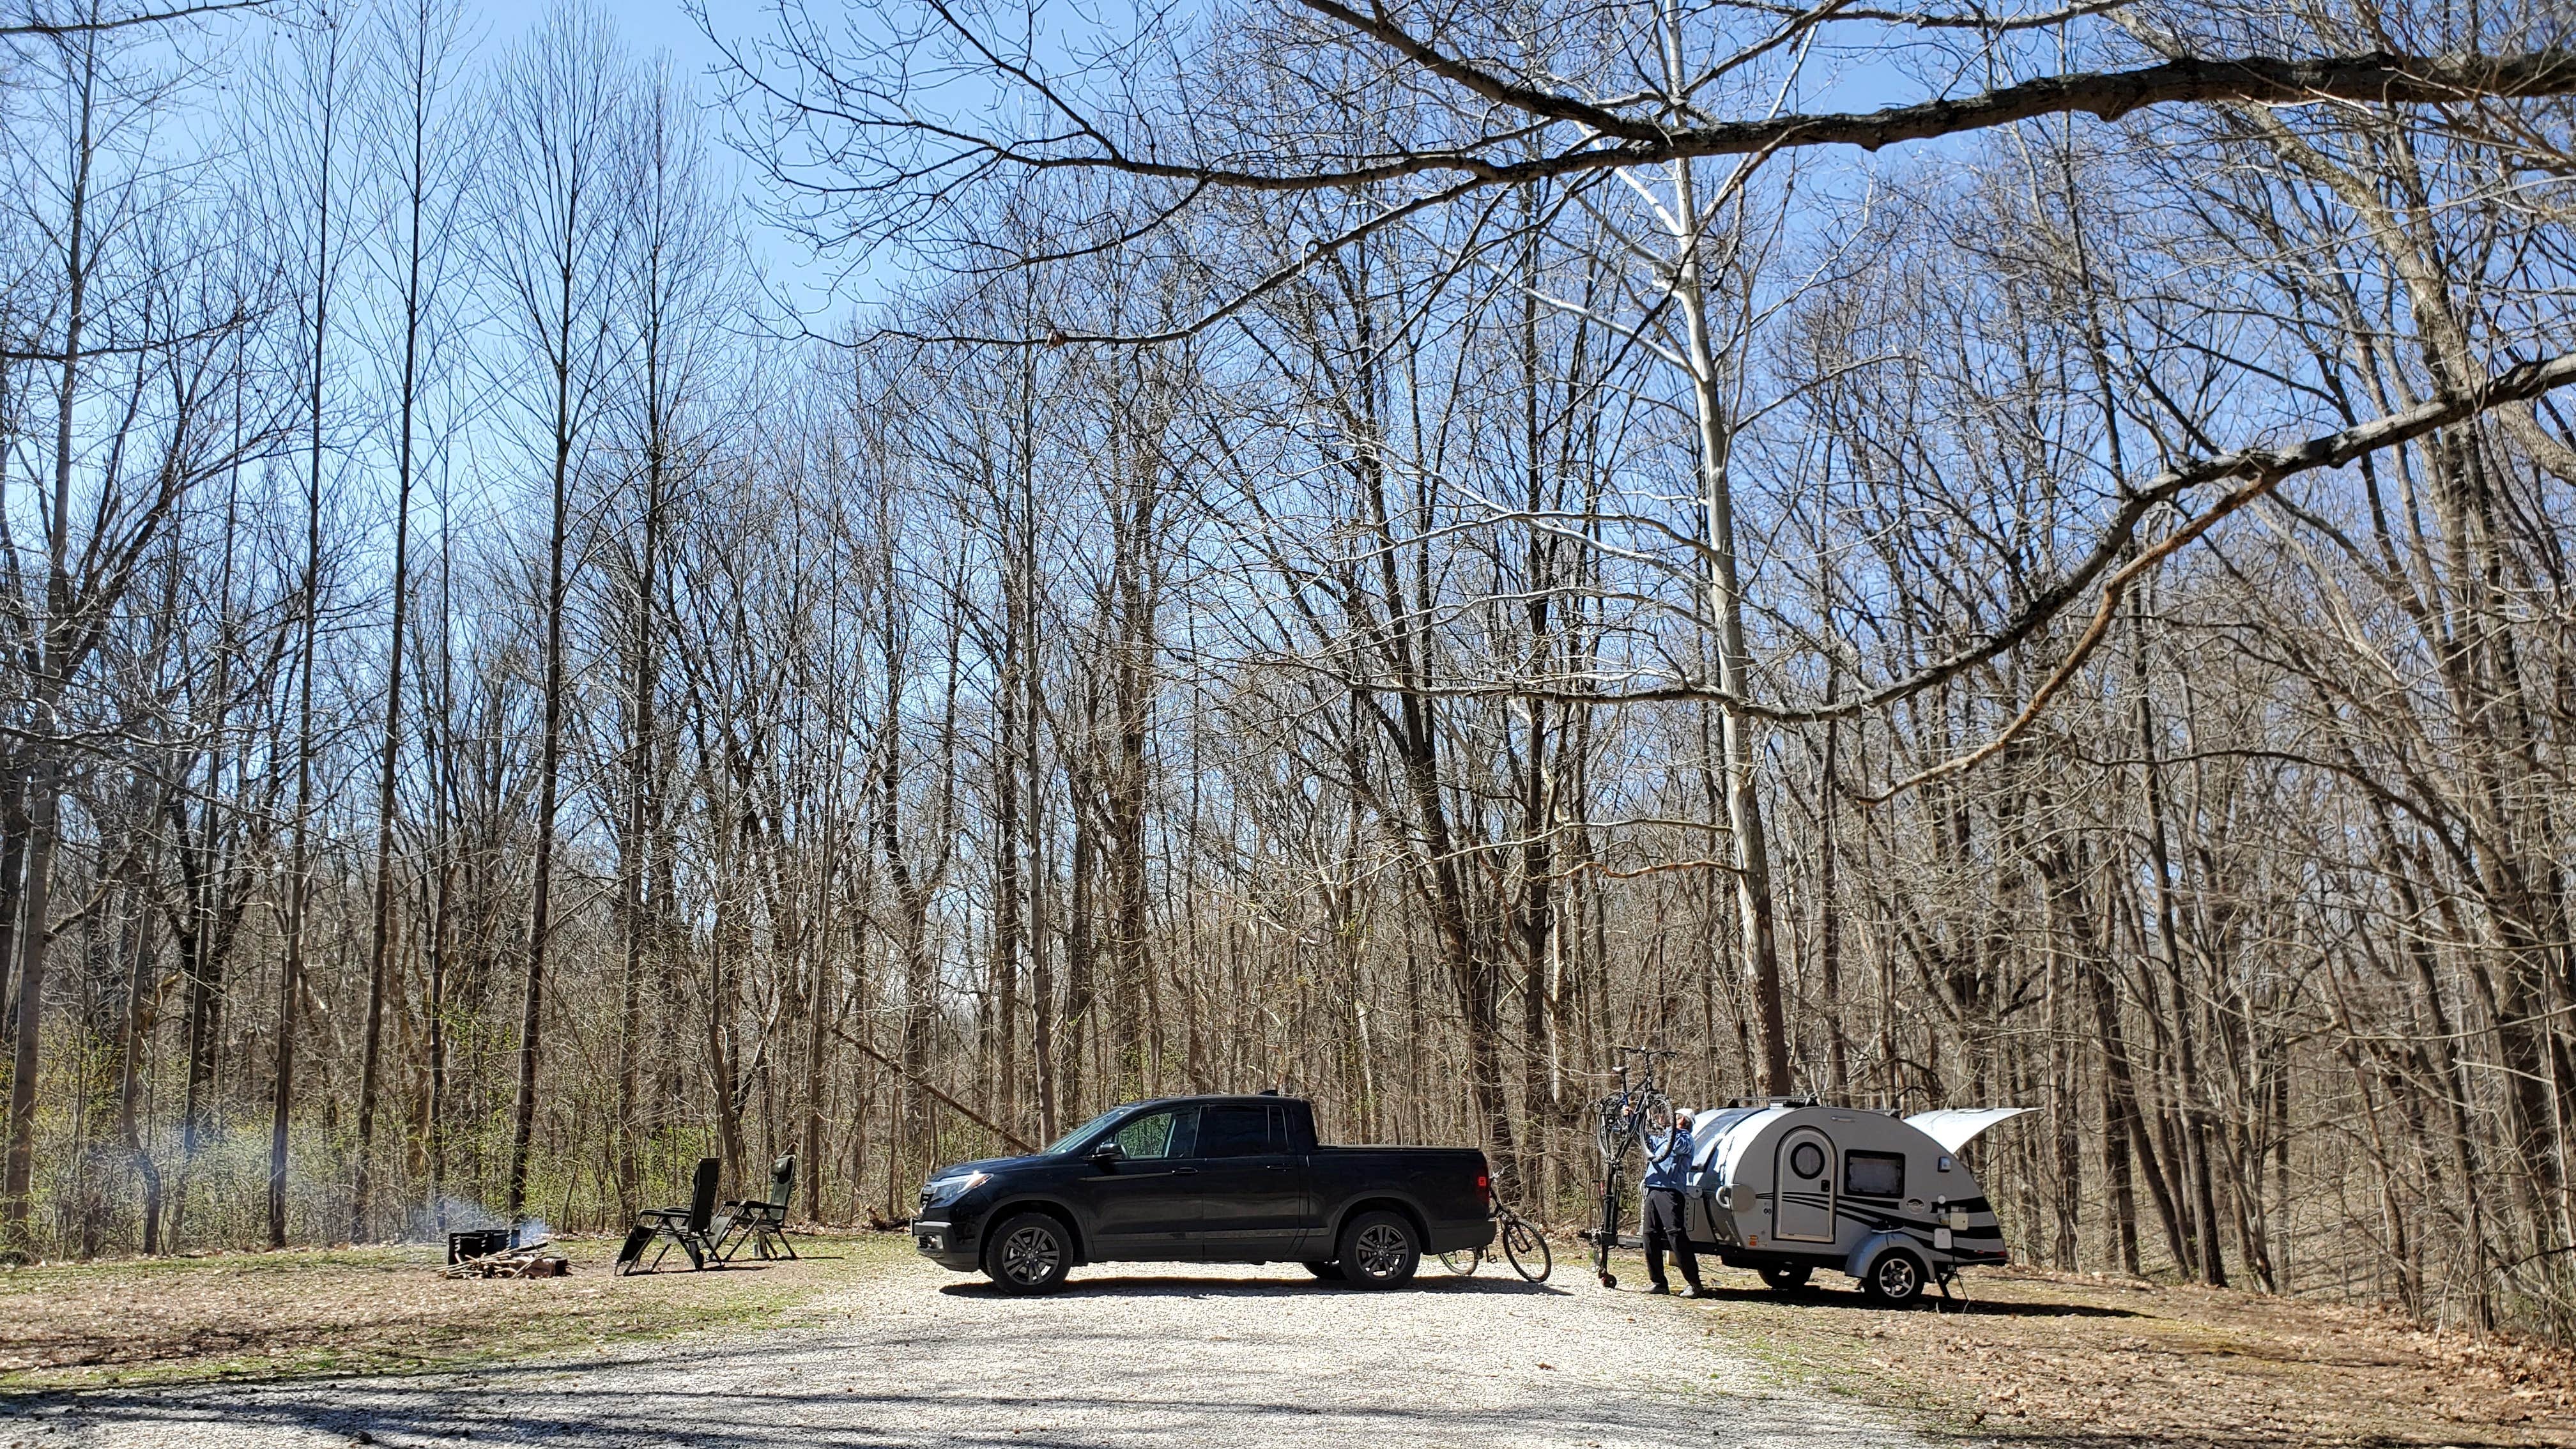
(1802,1188)
(1252,1189)
(1145,1207)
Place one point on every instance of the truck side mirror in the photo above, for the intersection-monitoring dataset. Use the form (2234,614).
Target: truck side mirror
(1109,1153)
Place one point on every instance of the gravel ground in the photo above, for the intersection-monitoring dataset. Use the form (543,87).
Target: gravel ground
(1128,1357)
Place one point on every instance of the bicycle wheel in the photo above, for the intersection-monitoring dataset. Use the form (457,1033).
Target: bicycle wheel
(1608,1130)
(1655,1115)
(1463,1264)
(1526,1248)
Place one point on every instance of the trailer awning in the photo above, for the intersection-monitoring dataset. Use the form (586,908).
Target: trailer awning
(1956,1127)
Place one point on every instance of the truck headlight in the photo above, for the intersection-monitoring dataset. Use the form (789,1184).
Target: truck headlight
(957,1186)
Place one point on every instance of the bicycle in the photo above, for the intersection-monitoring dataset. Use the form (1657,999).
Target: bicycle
(1631,1112)
(1621,1120)
(1523,1245)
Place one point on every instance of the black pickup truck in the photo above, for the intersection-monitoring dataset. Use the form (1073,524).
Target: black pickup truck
(1205,1180)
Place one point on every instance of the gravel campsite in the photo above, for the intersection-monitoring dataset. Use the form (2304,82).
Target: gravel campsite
(913,1356)
(861,1343)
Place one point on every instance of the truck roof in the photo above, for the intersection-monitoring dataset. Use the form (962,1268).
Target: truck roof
(1213,1097)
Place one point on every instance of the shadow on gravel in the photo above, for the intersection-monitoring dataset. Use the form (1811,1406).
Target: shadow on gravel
(1165,1286)
(539,1405)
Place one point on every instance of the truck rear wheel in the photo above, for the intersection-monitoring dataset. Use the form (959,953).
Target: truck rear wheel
(1787,1277)
(1028,1253)
(1379,1250)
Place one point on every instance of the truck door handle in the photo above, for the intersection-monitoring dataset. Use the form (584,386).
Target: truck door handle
(1185,1172)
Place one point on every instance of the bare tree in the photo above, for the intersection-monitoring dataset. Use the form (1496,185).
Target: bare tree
(416,50)
(309,100)
(553,240)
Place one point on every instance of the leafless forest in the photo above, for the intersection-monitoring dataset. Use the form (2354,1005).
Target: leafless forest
(1953,556)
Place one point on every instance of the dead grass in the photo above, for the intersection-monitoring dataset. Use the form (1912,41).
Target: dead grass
(2073,1360)
(373,1310)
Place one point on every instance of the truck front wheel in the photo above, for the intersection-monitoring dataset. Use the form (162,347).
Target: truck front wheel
(1028,1253)
(1379,1250)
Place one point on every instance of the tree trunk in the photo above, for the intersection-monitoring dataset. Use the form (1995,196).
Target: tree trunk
(1739,740)
(43,822)
(523,1110)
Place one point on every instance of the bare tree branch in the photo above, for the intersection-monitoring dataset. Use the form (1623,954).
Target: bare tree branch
(63,29)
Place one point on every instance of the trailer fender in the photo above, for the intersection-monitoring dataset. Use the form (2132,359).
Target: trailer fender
(1862,1257)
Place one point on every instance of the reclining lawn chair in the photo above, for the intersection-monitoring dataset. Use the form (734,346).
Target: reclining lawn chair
(763,1222)
(695,1228)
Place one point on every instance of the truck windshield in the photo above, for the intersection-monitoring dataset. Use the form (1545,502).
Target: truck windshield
(1074,1138)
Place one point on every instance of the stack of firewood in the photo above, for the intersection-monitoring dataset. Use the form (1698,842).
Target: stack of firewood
(532,1261)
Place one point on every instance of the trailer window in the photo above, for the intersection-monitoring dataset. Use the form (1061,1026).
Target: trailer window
(1874,1174)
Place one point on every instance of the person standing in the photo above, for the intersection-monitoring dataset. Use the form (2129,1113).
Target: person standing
(1667,1173)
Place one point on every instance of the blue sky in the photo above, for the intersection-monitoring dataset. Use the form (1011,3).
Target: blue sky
(827,293)
(656,26)
(649,24)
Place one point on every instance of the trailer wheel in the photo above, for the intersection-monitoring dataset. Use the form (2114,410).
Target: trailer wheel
(1787,1277)
(1896,1279)
(1609,1280)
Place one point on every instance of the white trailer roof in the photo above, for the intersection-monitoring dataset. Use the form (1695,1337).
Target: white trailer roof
(1956,1127)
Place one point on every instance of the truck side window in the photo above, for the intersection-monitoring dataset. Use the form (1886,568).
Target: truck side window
(1159,1134)
(1235,1131)
(1874,1174)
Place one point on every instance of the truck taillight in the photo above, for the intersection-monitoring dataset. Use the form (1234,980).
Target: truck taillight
(1485,1187)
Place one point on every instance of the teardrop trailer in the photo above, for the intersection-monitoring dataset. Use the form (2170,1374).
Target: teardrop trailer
(1791,1186)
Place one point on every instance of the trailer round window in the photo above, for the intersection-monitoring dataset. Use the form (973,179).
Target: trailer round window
(1807,1160)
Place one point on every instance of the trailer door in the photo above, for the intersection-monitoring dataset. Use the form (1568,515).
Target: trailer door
(1803,1186)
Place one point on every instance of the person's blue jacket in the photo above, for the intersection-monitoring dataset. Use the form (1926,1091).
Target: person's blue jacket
(1668,1159)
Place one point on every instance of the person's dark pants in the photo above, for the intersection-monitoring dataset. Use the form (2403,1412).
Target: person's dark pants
(1664,1219)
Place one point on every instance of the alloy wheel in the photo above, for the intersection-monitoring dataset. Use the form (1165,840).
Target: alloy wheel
(1030,1255)
(1381,1250)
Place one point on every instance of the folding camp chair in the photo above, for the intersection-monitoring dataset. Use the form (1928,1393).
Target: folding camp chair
(695,1228)
(763,1222)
